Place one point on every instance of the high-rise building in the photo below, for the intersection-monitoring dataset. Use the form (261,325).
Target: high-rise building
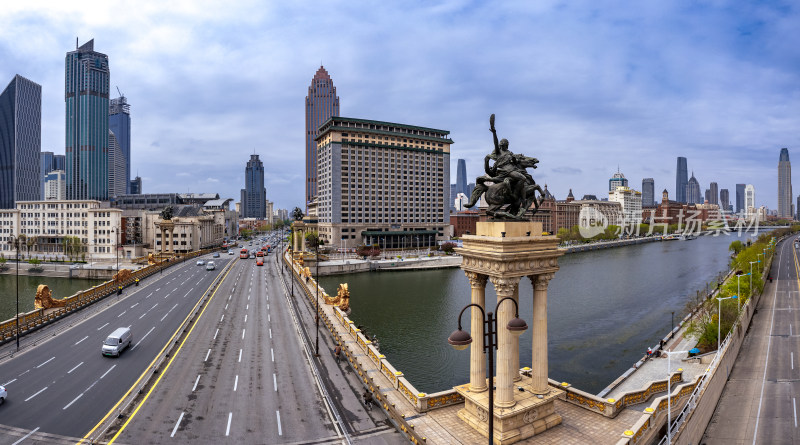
(461,178)
(692,195)
(119,121)
(631,202)
(321,103)
(59,162)
(750,199)
(797,209)
(707,196)
(714,193)
(136,186)
(46,161)
(20,142)
(86,89)
(407,199)
(724,200)
(740,198)
(681,180)
(648,192)
(618,180)
(118,183)
(54,185)
(254,195)
(784,185)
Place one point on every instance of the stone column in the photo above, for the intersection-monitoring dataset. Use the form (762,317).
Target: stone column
(539,365)
(515,339)
(172,240)
(303,240)
(163,240)
(477,356)
(505,287)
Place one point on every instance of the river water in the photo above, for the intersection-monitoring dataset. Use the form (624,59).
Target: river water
(60,287)
(605,308)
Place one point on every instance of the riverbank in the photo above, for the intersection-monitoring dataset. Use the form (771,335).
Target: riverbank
(90,271)
(346,266)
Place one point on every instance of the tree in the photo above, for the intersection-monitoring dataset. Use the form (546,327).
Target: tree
(563,234)
(3,261)
(368,251)
(297,214)
(447,248)
(736,247)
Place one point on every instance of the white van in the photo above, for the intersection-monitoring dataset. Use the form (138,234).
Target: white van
(210,265)
(117,342)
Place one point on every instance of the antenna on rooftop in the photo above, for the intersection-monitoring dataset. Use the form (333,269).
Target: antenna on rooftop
(76,42)
(120,92)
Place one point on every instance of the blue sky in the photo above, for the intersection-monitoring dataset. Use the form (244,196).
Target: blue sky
(585,86)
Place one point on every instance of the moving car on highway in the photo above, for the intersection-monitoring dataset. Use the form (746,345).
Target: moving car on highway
(117,342)
(201,263)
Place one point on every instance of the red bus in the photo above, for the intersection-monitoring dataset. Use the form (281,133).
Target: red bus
(244,254)
(260,254)
(260,261)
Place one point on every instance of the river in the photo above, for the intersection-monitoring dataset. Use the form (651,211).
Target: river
(605,308)
(60,287)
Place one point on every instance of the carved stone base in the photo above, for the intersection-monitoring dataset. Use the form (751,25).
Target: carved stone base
(528,417)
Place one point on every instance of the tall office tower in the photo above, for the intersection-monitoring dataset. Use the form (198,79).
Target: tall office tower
(707,198)
(750,199)
(86,89)
(254,195)
(714,195)
(119,121)
(405,204)
(321,103)
(681,180)
(20,142)
(618,180)
(117,181)
(784,185)
(136,186)
(59,162)
(724,200)
(453,193)
(797,209)
(740,198)
(461,178)
(648,192)
(46,161)
(692,194)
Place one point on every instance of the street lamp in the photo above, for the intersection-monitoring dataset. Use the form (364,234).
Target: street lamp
(669,393)
(751,276)
(317,242)
(15,241)
(739,291)
(460,339)
(719,318)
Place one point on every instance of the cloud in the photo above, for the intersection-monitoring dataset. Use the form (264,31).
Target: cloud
(567,170)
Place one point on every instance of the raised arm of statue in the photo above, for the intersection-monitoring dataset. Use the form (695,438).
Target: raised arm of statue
(494,135)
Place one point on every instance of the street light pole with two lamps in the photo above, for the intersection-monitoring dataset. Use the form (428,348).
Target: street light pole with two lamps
(719,318)
(16,241)
(669,392)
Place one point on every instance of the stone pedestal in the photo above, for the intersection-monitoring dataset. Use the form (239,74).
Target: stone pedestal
(504,253)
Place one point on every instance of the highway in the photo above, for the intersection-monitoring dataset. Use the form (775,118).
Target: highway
(63,385)
(760,400)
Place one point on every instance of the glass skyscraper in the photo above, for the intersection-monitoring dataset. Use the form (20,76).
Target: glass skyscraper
(692,191)
(785,185)
(740,198)
(86,92)
(254,195)
(681,180)
(648,192)
(713,193)
(20,142)
(119,121)
(461,178)
(321,103)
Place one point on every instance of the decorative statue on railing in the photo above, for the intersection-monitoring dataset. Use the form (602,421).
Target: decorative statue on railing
(511,184)
(343,295)
(44,299)
(122,275)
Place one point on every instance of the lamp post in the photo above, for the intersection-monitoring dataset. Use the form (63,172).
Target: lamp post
(739,291)
(669,392)
(460,340)
(719,318)
(751,276)
(317,242)
(15,241)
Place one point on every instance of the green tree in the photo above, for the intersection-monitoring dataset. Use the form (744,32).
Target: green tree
(563,234)
(736,247)
(448,248)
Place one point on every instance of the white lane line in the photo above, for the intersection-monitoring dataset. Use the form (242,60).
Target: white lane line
(142,339)
(229,298)
(137,304)
(195,382)
(120,315)
(272,353)
(157,289)
(207,354)
(26,436)
(278,414)
(236,383)
(222,318)
(109,370)
(48,361)
(84,338)
(187,294)
(165,315)
(215,334)
(177,424)
(247,306)
(39,392)
(12,381)
(791,359)
(240,355)
(274,382)
(243,331)
(73,401)
(148,295)
(228,429)
(269,319)
(248,297)
(794,407)
(68,372)
(267,306)
(101,327)
(245,318)
(270,332)
(226,306)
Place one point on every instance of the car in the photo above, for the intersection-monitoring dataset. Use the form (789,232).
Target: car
(201,263)
(230,252)
(210,266)
(3,395)
(117,342)
(216,255)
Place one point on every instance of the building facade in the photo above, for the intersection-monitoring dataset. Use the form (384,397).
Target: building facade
(321,104)
(254,195)
(681,180)
(631,202)
(648,192)
(136,186)
(382,183)
(740,198)
(785,209)
(117,180)
(20,142)
(461,178)
(618,180)
(750,199)
(119,122)
(724,200)
(55,185)
(713,190)
(693,194)
(86,93)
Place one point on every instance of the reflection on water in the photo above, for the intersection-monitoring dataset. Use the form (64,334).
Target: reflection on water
(60,287)
(604,308)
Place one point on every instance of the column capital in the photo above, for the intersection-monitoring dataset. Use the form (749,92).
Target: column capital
(505,286)
(541,281)
(476,279)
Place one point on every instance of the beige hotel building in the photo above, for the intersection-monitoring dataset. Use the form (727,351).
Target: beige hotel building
(382,183)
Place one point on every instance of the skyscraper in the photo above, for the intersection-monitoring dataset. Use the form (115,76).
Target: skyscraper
(461,178)
(714,195)
(707,196)
(740,198)
(681,179)
(20,142)
(254,195)
(136,186)
(692,193)
(119,121)
(59,162)
(784,185)
(86,90)
(117,181)
(750,199)
(321,103)
(46,161)
(648,192)
(724,200)
(618,180)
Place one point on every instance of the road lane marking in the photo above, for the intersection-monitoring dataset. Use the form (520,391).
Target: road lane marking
(267,306)
(76,367)
(236,383)
(12,381)
(177,424)
(240,355)
(165,315)
(228,429)
(137,304)
(226,307)
(245,318)
(48,361)
(272,353)
(195,382)
(148,295)
(278,414)
(73,401)
(269,319)
(207,354)
(794,407)
(248,297)
(109,370)
(222,318)
(215,334)
(39,392)
(142,339)
(26,436)
(243,331)
(84,338)
(274,382)
(247,306)
(101,327)
(123,313)
(270,332)
(187,294)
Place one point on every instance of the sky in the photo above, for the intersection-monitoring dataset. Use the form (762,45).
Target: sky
(587,87)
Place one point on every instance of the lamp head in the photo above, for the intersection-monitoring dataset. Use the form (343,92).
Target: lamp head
(459,339)
(517,326)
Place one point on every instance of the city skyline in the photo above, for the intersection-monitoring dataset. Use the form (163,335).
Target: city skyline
(601,93)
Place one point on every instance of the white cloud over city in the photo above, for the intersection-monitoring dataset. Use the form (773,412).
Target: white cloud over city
(583,86)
